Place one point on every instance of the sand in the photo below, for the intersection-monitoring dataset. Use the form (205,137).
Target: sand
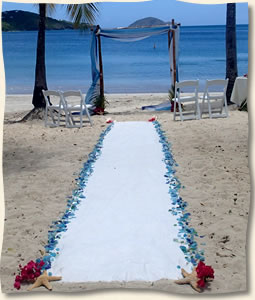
(40,166)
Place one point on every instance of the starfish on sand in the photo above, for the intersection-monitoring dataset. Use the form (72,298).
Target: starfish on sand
(44,279)
(190,278)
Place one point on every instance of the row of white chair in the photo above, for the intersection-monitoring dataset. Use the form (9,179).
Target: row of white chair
(69,104)
(214,90)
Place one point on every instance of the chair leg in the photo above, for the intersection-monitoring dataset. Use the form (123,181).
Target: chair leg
(90,121)
(59,117)
(71,117)
(174,109)
(67,119)
(221,106)
(81,119)
(202,108)
(209,108)
(180,109)
(198,116)
(53,118)
(46,116)
(226,106)
(88,115)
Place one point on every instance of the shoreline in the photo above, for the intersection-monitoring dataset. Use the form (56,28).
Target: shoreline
(153,88)
(20,102)
(186,26)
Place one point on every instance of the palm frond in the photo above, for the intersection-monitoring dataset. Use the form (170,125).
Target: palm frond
(82,13)
(50,8)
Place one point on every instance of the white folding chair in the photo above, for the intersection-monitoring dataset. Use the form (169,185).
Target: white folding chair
(186,91)
(215,94)
(54,107)
(75,107)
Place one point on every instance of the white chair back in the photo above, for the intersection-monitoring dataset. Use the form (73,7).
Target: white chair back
(187,87)
(219,82)
(72,98)
(216,90)
(75,106)
(54,105)
(52,97)
(186,91)
(72,93)
(218,86)
(187,83)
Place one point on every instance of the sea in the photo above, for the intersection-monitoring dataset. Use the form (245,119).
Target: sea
(128,67)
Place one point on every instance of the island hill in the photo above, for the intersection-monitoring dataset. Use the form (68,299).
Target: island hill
(18,20)
(148,22)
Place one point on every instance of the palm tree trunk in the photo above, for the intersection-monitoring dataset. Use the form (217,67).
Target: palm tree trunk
(40,69)
(231,56)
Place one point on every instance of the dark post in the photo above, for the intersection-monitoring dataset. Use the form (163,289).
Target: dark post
(169,44)
(174,57)
(231,48)
(100,64)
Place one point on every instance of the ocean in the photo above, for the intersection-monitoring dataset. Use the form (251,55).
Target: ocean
(136,67)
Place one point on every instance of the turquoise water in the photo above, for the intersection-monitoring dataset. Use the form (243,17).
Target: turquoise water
(128,67)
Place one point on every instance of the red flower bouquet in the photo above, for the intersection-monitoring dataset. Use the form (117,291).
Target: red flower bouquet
(203,274)
(28,273)
(198,277)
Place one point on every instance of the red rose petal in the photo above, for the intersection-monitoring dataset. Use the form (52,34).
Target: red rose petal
(152,119)
(201,283)
(17,285)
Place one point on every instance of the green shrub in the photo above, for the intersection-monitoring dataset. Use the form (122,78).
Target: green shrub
(101,102)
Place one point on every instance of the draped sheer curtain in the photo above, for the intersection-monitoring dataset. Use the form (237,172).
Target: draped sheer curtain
(128,35)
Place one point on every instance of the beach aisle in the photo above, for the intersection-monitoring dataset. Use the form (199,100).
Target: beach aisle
(123,230)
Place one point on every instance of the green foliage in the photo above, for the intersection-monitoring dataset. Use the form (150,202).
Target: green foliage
(82,17)
(171,92)
(101,102)
(23,20)
(7,27)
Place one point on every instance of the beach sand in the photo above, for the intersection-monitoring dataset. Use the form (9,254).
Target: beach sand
(40,166)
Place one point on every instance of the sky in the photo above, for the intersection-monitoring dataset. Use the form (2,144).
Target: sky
(123,14)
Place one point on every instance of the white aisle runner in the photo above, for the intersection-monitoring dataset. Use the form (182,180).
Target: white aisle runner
(123,230)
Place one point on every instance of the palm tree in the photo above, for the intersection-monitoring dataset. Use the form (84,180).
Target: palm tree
(80,14)
(40,69)
(231,52)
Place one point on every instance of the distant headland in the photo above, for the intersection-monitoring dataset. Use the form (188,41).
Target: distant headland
(148,22)
(19,20)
